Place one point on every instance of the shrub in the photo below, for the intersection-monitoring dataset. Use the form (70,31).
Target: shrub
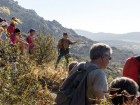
(19,84)
(44,51)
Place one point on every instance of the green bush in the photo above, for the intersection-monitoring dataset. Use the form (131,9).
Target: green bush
(19,84)
(44,50)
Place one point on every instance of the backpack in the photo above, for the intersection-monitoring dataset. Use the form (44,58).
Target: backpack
(73,90)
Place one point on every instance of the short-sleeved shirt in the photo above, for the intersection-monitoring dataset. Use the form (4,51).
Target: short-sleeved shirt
(11,29)
(131,69)
(96,82)
(4,36)
(64,44)
(29,39)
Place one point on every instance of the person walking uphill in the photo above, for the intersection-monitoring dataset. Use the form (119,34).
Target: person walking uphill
(63,48)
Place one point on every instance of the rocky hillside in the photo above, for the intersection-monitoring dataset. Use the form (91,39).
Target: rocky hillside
(30,19)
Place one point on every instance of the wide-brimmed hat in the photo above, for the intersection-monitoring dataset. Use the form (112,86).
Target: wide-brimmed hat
(3,23)
(15,20)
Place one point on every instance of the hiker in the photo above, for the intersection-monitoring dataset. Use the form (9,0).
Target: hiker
(16,40)
(12,26)
(1,31)
(1,19)
(123,91)
(86,81)
(131,69)
(63,48)
(30,40)
(4,37)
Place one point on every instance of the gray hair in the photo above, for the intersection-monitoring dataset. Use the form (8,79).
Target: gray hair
(99,49)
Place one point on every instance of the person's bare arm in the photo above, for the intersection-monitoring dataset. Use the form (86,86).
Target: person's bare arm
(72,42)
(21,40)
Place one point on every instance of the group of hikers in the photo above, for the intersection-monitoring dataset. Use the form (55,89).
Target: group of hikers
(86,83)
(12,36)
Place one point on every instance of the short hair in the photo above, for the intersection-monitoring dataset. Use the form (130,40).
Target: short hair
(120,85)
(99,49)
(16,30)
(72,64)
(64,34)
(14,18)
(1,19)
(32,30)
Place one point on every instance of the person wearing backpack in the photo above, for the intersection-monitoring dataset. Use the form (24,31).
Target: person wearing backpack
(63,48)
(86,81)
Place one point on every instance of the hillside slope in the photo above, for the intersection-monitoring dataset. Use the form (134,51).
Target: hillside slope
(30,19)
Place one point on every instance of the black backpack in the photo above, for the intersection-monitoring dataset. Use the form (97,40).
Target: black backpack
(73,90)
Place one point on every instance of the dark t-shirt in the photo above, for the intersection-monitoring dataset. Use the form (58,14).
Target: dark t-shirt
(64,44)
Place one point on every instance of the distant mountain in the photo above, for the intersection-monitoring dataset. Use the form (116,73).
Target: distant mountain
(131,37)
(95,36)
(128,42)
(124,45)
(30,19)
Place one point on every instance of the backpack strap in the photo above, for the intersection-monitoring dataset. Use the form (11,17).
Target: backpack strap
(81,89)
(62,42)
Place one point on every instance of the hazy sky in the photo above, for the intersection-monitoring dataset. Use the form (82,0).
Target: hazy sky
(114,16)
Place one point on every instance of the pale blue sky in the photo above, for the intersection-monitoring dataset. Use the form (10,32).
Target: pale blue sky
(114,16)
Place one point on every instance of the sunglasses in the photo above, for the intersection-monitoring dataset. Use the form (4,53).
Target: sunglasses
(108,56)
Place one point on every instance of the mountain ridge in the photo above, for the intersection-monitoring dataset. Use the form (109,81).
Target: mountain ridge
(134,36)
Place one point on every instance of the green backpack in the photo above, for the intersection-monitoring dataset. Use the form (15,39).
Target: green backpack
(73,90)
